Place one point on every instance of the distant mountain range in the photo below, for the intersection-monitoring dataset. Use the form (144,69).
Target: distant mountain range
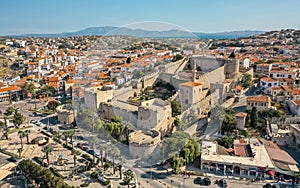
(173,33)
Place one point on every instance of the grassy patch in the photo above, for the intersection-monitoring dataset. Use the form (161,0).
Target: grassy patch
(13,130)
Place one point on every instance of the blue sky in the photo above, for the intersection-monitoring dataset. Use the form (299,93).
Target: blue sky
(51,16)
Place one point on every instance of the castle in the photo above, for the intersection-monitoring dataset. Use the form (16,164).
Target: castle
(195,91)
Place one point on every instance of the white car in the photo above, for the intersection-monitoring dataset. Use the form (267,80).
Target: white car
(33,121)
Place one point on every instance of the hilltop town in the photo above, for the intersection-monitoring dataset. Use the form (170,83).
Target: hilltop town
(122,111)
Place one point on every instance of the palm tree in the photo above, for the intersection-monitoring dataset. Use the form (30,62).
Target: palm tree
(4,126)
(28,88)
(27,133)
(94,142)
(120,165)
(18,119)
(21,136)
(48,90)
(115,153)
(47,150)
(71,134)
(57,136)
(20,150)
(102,149)
(66,135)
(75,154)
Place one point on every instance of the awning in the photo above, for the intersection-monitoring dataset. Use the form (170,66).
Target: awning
(270,172)
(293,168)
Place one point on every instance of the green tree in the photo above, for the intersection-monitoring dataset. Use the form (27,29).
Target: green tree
(9,111)
(47,150)
(128,176)
(66,135)
(176,108)
(253,117)
(52,105)
(26,134)
(21,135)
(176,163)
(226,141)
(20,150)
(18,119)
(28,88)
(120,165)
(39,176)
(48,91)
(178,124)
(229,121)
(69,101)
(115,153)
(75,153)
(246,80)
(71,135)
(3,125)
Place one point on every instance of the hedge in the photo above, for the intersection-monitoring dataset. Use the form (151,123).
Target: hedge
(56,173)
(40,161)
(87,157)
(9,153)
(47,134)
(94,174)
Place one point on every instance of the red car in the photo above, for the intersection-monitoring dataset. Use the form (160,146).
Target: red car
(79,145)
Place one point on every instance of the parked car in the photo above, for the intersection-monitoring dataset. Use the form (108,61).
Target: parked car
(86,148)
(206,181)
(222,183)
(38,123)
(33,121)
(79,145)
(92,152)
(198,180)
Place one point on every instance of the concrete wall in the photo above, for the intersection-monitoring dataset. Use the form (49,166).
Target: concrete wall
(64,116)
(142,149)
(107,111)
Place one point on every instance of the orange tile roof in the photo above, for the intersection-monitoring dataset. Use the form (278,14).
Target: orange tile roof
(190,84)
(296,92)
(9,88)
(276,88)
(70,81)
(297,102)
(267,79)
(287,88)
(258,98)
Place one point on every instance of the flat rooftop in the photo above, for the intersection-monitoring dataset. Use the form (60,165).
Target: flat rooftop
(260,159)
(124,105)
(143,137)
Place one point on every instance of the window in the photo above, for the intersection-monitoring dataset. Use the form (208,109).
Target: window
(252,173)
(245,172)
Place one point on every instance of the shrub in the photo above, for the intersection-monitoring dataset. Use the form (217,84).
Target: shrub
(56,173)
(9,153)
(85,185)
(87,157)
(46,134)
(107,182)
(94,174)
(67,146)
(40,161)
